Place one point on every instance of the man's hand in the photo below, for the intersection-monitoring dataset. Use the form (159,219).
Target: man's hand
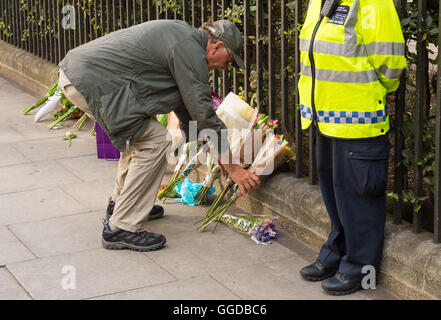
(246,180)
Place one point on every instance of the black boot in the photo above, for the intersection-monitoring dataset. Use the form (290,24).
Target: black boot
(340,285)
(318,271)
(156,212)
(121,239)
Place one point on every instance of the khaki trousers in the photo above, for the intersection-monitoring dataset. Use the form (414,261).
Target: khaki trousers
(73,94)
(140,169)
(139,176)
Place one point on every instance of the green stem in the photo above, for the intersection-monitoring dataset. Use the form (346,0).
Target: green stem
(80,123)
(170,187)
(211,212)
(65,116)
(42,100)
(92,130)
(219,198)
(200,191)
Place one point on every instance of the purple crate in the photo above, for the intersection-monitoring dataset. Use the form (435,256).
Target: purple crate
(104,147)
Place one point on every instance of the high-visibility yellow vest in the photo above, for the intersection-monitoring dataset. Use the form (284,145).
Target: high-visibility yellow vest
(358,56)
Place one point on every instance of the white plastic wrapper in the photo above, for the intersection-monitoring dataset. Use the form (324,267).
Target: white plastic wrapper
(238,116)
(49,106)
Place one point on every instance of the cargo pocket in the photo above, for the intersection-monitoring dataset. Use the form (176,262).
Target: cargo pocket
(369,166)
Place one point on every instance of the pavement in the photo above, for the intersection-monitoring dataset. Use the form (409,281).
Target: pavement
(52,202)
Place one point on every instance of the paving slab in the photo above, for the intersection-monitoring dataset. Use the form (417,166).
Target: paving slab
(13,90)
(89,168)
(11,156)
(88,274)
(36,131)
(34,175)
(280,279)
(37,204)
(57,148)
(93,195)
(11,249)
(190,252)
(197,288)
(9,135)
(10,289)
(56,236)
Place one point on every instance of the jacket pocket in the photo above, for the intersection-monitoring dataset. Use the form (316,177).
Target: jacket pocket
(121,112)
(369,166)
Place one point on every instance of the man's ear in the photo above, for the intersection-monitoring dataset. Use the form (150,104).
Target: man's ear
(218,45)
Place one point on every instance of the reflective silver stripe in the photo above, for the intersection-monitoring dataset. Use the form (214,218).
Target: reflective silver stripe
(367,76)
(350,33)
(334,48)
(386,48)
(352,51)
(390,73)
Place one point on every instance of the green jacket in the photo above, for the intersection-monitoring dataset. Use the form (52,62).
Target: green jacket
(133,74)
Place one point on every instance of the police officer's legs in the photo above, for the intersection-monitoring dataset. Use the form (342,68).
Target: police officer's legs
(334,248)
(353,176)
(360,176)
(361,201)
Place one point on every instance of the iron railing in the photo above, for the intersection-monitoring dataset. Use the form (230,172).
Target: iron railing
(271,57)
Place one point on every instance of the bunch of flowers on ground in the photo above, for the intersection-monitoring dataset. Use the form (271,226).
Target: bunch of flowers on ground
(67,110)
(192,164)
(49,94)
(166,190)
(272,154)
(262,229)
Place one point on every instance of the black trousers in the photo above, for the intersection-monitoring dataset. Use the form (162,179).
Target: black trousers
(353,177)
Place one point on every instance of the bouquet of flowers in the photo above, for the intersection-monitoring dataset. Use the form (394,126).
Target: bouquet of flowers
(50,105)
(261,228)
(271,155)
(190,146)
(213,172)
(171,193)
(184,174)
(49,94)
(264,122)
(238,117)
(247,150)
(187,190)
(68,111)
